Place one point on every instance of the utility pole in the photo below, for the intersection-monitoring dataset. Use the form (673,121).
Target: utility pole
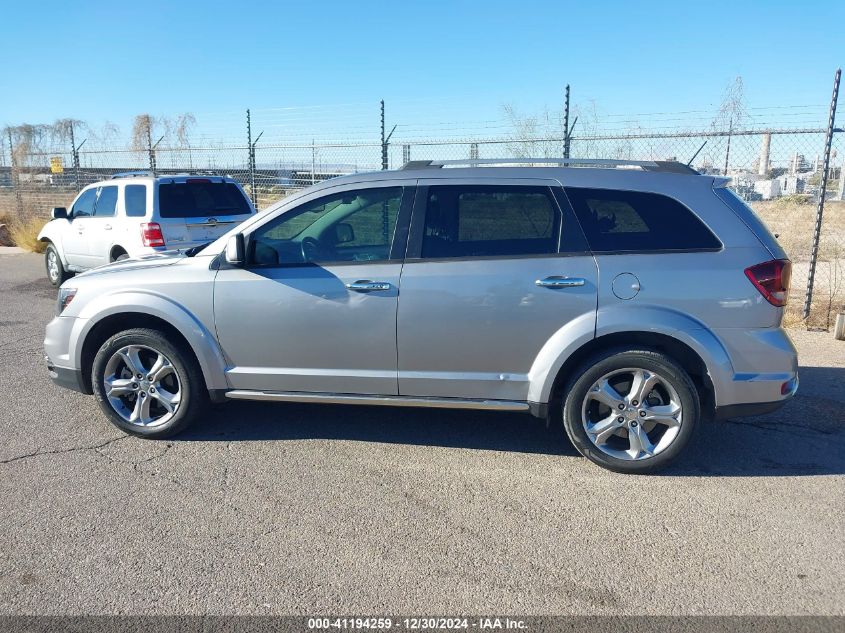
(808,299)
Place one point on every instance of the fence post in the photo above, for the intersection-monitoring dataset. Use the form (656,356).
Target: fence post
(16,185)
(383,140)
(808,299)
(566,124)
(75,156)
(250,158)
(728,149)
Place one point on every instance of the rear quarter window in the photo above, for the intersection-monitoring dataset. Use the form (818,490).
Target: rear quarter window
(752,221)
(201,198)
(634,221)
(135,201)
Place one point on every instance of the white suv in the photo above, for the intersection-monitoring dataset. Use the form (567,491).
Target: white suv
(138,214)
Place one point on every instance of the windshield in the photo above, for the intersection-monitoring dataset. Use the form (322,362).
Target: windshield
(201,198)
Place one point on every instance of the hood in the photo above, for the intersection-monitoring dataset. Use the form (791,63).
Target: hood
(154,260)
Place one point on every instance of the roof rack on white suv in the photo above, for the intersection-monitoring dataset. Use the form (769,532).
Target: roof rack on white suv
(132,174)
(667,166)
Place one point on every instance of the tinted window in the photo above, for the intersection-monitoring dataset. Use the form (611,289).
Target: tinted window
(487,220)
(85,204)
(616,221)
(200,198)
(106,202)
(136,201)
(345,227)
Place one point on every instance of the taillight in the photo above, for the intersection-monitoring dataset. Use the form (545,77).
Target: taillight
(772,280)
(151,234)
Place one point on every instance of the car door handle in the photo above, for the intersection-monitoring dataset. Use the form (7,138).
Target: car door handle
(365,285)
(560,282)
(107,227)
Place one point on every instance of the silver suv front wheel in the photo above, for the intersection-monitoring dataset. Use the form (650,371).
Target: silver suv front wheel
(631,411)
(147,384)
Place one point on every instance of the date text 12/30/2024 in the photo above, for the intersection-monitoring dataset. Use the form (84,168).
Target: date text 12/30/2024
(416,623)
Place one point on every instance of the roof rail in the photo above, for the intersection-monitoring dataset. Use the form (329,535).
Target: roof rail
(132,174)
(667,166)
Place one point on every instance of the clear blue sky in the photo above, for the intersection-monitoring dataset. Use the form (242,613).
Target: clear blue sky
(457,60)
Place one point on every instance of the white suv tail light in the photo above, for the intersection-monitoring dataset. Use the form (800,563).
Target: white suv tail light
(151,234)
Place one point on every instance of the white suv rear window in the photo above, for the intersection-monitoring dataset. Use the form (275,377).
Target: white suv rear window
(200,198)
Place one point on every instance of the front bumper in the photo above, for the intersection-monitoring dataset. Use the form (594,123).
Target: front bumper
(57,354)
(66,377)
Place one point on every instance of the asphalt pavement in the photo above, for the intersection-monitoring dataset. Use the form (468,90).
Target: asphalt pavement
(313,509)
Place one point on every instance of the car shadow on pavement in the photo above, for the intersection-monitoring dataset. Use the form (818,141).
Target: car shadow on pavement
(448,428)
(806,437)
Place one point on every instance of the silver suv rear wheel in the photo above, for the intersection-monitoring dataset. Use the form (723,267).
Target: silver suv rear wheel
(631,411)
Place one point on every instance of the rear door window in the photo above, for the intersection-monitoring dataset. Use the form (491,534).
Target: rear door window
(490,221)
(106,202)
(201,198)
(633,221)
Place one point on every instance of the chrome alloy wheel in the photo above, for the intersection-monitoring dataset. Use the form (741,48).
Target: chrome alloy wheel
(632,414)
(53,265)
(142,386)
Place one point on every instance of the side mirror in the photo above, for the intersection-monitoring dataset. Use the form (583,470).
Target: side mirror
(59,213)
(344,233)
(235,250)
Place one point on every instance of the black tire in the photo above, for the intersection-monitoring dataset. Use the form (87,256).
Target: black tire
(121,257)
(597,367)
(58,274)
(191,384)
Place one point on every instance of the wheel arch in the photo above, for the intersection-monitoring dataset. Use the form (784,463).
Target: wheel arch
(115,250)
(50,234)
(679,351)
(126,312)
(678,335)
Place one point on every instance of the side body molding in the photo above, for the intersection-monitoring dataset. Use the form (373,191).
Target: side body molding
(630,318)
(201,340)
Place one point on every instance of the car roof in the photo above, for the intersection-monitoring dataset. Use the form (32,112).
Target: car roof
(592,176)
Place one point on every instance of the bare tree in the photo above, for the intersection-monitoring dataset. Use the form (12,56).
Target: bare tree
(28,139)
(185,124)
(142,132)
(537,136)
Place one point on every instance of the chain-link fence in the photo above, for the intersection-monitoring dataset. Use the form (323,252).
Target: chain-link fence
(778,170)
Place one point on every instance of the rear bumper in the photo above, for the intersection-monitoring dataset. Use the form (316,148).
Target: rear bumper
(749,409)
(764,370)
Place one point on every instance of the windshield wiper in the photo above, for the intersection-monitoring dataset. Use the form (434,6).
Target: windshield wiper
(190,252)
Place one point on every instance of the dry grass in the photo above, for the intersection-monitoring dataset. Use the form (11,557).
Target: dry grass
(793,219)
(24,234)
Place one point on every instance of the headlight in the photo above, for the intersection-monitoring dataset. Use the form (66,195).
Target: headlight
(66,295)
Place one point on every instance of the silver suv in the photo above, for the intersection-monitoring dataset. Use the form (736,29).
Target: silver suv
(631,300)
(137,214)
